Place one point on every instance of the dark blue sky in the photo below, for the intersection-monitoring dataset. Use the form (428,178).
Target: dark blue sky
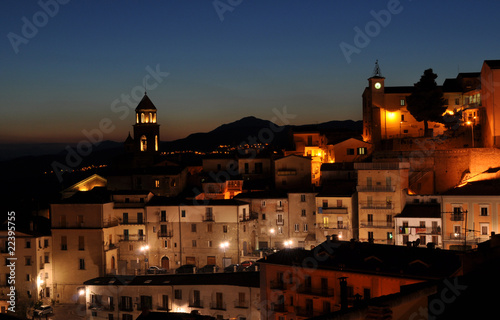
(74,68)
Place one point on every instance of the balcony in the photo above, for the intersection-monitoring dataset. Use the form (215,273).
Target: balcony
(376,224)
(376,205)
(280,208)
(164,308)
(280,222)
(196,304)
(209,218)
(131,237)
(165,234)
(456,236)
(419,230)
(131,221)
(126,307)
(241,304)
(457,217)
(306,312)
(218,305)
(277,285)
(278,307)
(322,292)
(376,188)
(332,210)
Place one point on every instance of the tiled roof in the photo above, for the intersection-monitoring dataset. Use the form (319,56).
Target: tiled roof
(477,188)
(247,279)
(421,210)
(369,258)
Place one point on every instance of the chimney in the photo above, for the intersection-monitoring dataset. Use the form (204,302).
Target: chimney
(343,293)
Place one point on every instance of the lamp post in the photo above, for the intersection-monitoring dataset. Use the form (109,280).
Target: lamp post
(288,243)
(472,130)
(144,250)
(271,233)
(223,246)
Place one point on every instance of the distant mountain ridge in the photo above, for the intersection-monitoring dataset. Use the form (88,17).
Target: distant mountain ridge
(250,129)
(244,130)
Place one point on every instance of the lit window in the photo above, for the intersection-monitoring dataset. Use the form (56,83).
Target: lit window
(157,183)
(402,102)
(144,143)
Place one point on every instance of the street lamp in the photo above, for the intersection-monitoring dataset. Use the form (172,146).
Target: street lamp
(271,233)
(472,128)
(145,249)
(223,246)
(288,243)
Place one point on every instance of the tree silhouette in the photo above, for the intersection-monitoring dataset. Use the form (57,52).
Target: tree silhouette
(426,102)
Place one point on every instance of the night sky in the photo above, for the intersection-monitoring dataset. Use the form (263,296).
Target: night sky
(66,65)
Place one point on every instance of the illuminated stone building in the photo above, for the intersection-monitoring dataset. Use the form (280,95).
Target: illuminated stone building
(191,231)
(146,129)
(381,195)
(337,211)
(32,269)
(293,172)
(470,97)
(271,212)
(470,214)
(301,284)
(223,295)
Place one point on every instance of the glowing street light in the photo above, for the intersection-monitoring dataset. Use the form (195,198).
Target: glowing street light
(472,128)
(145,250)
(271,233)
(288,243)
(223,246)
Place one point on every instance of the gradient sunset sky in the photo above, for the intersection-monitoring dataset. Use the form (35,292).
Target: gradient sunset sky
(65,64)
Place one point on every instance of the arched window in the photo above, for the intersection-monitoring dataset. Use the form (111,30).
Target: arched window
(137,118)
(156,142)
(151,117)
(144,143)
(142,117)
(154,117)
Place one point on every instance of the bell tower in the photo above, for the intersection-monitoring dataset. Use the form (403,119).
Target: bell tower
(146,130)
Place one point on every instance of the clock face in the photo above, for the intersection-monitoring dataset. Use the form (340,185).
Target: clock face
(377,85)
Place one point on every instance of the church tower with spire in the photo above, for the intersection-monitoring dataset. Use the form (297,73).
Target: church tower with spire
(146,130)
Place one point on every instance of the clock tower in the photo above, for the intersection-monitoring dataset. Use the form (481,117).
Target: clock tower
(373,102)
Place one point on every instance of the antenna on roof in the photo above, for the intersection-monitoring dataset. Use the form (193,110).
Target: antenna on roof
(144,85)
(376,70)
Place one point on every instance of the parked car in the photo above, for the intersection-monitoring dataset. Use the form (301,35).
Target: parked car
(209,268)
(43,310)
(156,270)
(187,268)
(232,268)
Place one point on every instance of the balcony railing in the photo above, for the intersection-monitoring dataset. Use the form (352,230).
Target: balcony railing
(241,304)
(278,307)
(419,230)
(376,188)
(131,237)
(457,217)
(332,210)
(280,208)
(196,304)
(306,312)
(376,224)
(323,292)
(165,234)
(126,307)
(376,205)
(280,222)
(131,221)
(456,236)
(280,285)
(218,305)
(164,308)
